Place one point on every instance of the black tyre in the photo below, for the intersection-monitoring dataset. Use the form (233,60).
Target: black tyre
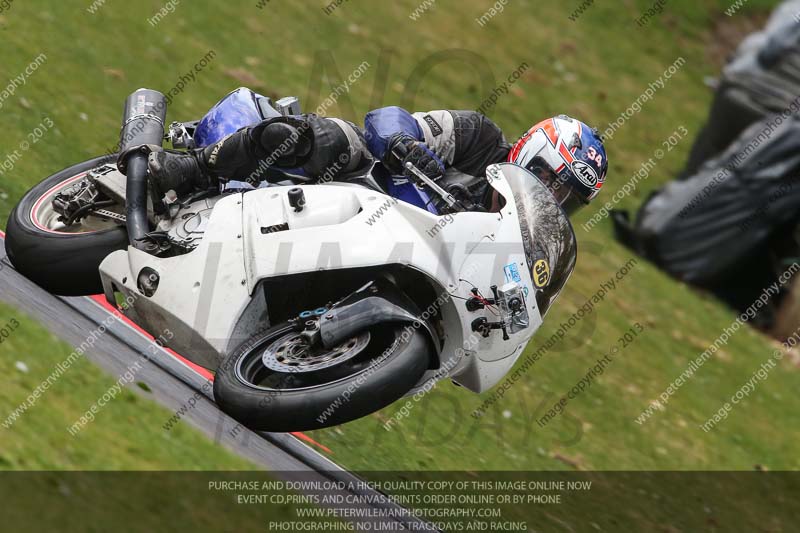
(62,260)
(320,389)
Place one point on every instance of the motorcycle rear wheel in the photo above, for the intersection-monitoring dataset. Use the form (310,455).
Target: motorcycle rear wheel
(64,260)
(361,376)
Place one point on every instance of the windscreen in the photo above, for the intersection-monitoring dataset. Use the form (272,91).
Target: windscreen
(547,234)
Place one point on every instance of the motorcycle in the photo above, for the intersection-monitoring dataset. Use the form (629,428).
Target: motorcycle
(314,304)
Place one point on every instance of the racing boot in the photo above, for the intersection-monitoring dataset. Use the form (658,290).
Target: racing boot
(181,172)
(201,168)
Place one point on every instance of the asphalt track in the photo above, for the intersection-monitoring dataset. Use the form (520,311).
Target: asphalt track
(174,382)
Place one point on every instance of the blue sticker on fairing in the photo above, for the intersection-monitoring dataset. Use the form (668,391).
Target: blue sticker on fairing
(512,273)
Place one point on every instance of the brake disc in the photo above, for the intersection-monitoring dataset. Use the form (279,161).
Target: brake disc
(291,353)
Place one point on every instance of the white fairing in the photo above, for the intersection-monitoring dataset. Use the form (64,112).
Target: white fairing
(210,298)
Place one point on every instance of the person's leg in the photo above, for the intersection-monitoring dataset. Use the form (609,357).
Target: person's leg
(323,148)
(283,142)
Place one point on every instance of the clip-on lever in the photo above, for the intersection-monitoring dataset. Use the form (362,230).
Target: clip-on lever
(446,196)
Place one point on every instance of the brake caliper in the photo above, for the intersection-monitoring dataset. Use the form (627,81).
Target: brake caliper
(310,324)
(75,202)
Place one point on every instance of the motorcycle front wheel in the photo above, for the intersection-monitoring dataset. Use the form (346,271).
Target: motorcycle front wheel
(62,259)
(275,382)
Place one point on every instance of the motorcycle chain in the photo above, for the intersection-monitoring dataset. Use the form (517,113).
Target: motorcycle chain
(109,214)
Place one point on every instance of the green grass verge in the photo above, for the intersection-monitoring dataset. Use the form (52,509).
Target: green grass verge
(127,433)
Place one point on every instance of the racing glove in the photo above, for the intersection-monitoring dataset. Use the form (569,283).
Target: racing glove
(404,149)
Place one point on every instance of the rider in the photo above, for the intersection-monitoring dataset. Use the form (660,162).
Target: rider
(564,153)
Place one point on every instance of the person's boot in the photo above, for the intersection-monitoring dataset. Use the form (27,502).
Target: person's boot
(179,172)
(199,169)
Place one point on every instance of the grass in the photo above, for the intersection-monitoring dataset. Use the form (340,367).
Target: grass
(126,435)
(593,68)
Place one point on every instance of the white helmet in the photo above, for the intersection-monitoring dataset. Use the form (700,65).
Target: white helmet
(567,156)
